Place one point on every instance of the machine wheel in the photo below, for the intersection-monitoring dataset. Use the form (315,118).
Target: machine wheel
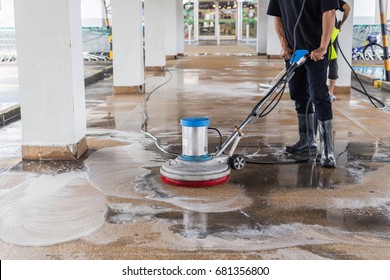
(237,162)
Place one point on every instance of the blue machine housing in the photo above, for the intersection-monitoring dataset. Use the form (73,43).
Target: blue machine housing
(195,121)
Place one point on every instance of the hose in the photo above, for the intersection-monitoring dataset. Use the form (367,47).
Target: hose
(144,125)
(363,89)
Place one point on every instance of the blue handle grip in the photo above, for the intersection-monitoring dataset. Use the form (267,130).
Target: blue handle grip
(297,55)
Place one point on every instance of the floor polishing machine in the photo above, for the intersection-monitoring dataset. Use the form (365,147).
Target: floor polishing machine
(195,167)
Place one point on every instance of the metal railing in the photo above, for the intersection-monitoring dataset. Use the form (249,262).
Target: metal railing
(96,45)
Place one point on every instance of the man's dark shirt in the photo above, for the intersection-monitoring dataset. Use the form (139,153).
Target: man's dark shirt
(341,4)
(309,29)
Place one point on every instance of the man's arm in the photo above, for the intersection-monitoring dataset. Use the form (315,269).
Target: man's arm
(327,29)
(285,49)
(347,9)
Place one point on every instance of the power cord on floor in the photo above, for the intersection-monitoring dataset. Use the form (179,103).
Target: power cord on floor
(144,125)
(363,89)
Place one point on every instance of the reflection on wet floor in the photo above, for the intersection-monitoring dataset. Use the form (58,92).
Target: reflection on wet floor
(227,208)
(279,206)
(275,174)
(49,167)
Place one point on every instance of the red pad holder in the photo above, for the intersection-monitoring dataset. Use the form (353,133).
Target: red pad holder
(195,184)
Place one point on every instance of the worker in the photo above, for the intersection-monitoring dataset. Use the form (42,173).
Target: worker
(308,25)
(333,66)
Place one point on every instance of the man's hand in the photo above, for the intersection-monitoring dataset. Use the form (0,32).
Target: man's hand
(327,29)
(318,54)
(286,53)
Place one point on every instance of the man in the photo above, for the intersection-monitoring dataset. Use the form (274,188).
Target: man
(308,25)
(333,66)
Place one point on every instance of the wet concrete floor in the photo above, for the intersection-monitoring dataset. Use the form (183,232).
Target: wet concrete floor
(111,204)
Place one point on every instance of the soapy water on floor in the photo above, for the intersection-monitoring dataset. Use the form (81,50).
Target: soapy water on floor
(50,207)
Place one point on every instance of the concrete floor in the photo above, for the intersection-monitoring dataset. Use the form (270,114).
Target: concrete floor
(111,203)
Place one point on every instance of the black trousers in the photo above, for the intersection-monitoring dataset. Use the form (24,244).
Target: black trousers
(309,83)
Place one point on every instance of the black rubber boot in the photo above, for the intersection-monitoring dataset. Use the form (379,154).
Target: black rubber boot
(307,135)
(326,139)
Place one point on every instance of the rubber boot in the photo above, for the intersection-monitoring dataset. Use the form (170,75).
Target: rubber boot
(307,136)
(326,140)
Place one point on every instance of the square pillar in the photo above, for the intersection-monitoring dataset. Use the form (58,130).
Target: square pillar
(154,36)
(51,79)
(273,44)
(127,42)
(239,20)
(345,38)
(262,27)
(180,27)
(170,18)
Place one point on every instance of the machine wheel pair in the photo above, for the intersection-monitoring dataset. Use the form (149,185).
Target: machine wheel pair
(237,162)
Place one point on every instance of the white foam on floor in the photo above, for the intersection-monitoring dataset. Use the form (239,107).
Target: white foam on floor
(50,209)
(115,170)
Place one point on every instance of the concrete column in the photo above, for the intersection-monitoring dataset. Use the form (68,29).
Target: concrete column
(262,27)
(273,45)
(7,18)
(377,18)
(196,20)
(217,29)
(127,40)
(92,14)
(364,12)
(170,17)
(385,4)
(51,79)
(180,27)
(154,36)
(345,41)
(387,7)
(239,20)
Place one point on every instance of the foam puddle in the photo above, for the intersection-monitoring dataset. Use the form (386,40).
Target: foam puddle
(286,236)
(126,212)
(50,209)
(225,198)
(116,170)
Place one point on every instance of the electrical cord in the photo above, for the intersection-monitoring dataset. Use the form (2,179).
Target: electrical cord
(144,125)
(219,133)
(314,127)
(363,90)
(279,94)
